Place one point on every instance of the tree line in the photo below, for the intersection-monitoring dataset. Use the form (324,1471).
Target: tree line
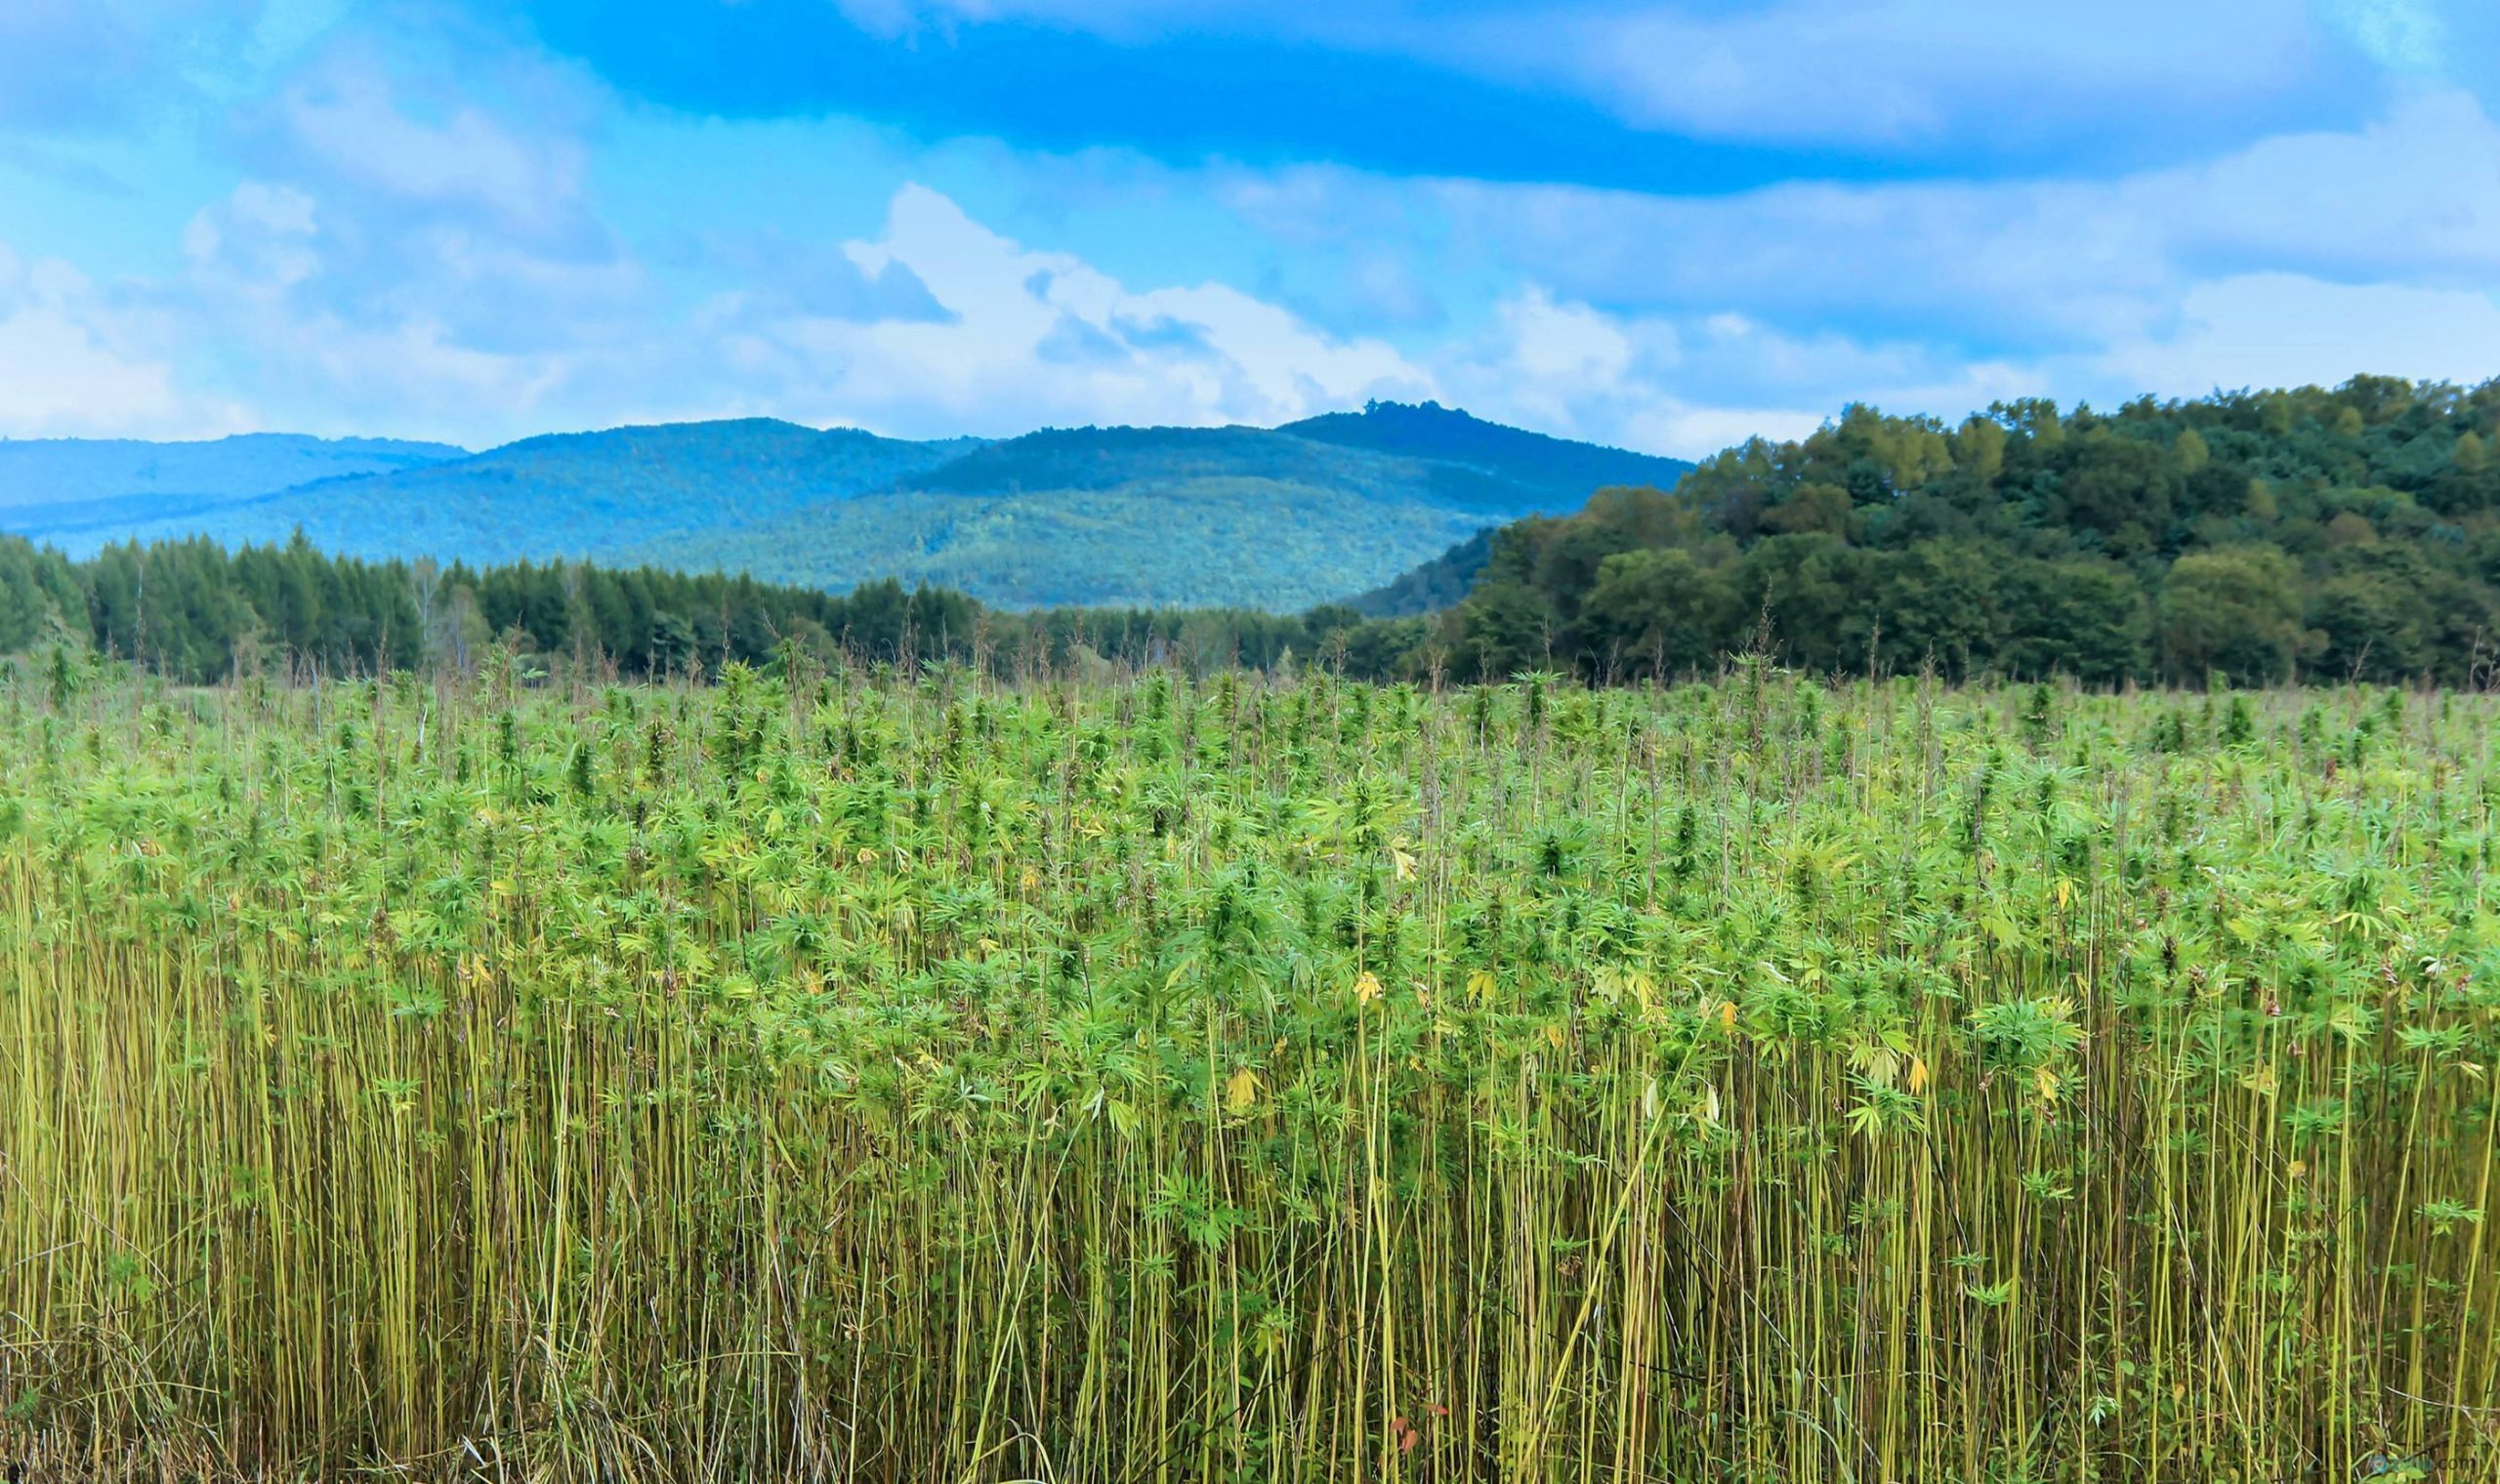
(2343,533)
(195,612)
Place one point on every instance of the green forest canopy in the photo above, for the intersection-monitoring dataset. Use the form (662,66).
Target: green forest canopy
(2351,532)
(2261,536)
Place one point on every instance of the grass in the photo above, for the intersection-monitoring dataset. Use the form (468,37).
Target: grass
(908,1078)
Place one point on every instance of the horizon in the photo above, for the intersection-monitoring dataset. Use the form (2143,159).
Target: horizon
(1659,225)
(475,451)
(1426,404)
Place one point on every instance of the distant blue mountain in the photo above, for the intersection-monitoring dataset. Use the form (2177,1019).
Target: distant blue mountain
(575,494)
(1266,517)
(58,472)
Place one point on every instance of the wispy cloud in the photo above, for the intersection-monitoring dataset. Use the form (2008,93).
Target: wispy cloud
(1033,337)
(2407,35)
(74,364)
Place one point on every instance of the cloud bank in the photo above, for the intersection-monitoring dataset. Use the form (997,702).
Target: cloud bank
(463,222)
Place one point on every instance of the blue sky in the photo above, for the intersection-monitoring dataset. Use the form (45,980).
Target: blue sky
(1665,224)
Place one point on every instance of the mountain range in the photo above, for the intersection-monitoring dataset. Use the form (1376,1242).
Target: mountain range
(1278,518)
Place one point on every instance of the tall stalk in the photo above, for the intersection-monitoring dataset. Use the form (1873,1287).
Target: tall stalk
(915,1079)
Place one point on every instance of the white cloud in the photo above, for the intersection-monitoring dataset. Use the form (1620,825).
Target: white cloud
(1033,337)
(1560,366)
(952,327)
(456,332)
(2414,196)
(406,261)
(70,366)
(1691,385)
(417,247)
(1683,430)
(255,244)
(1567,368)
(1766,311)
(2282,329)
(1862,72)
(2403,35)
(1894,70)
(1565,342)
(58,380)
(347,121)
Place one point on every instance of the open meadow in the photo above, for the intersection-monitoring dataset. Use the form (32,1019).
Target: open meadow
(919,1078)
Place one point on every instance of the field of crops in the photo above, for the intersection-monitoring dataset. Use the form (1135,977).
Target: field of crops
(915,1079)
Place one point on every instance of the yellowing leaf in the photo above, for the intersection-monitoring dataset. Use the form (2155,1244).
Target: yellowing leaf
(1727,1014)
(1366,987)
(1554,1033)
(1241,1093)
(1479,984)
(1918,1074)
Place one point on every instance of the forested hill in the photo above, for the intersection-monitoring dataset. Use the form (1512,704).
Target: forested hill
(1565,470)
(2325,534)
(74,471)
(1176,517)
(65,487)
(559,494)
(1154,517)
